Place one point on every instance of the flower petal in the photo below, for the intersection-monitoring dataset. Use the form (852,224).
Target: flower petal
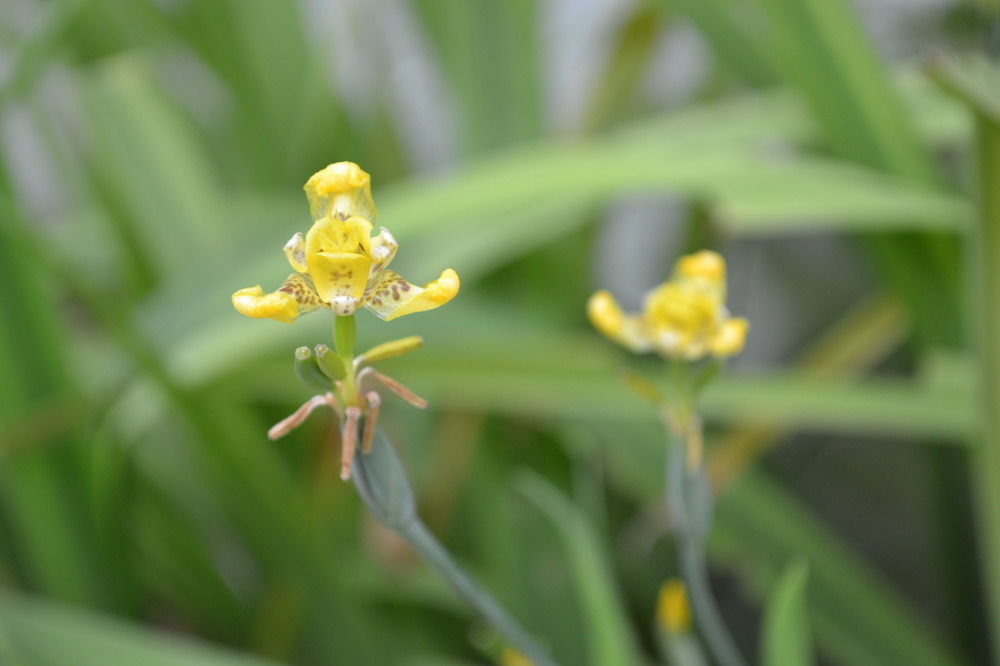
(608,318)
(295,297)
(383,249)
(352,235)
(705,265)
(340,278)
(390,296)
(295,251)
(730,337)
(340,190)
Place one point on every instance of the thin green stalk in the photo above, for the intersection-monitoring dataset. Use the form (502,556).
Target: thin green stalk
(695,575)
(422,541)
(344,335)
(689,498)
(384,487)
(985,247)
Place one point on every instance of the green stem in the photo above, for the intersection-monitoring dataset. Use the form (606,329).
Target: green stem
(422,541)
(382,483)
(985,459)
(689,498)
(710,622)
(344,335)
(345,332)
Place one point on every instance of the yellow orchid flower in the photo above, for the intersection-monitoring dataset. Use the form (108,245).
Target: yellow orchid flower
(685,318)
(339,264)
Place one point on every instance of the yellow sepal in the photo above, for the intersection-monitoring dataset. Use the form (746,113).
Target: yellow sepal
(706,265)
(608,318)
(340,190)
(392,349)
(730,337)
(253,302)
(605,315)
(295,297)
(390,296)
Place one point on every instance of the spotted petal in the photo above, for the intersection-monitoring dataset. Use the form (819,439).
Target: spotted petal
(295,251)
(340,279)
(383,249)
(296,296)
(336,235)
(390,296)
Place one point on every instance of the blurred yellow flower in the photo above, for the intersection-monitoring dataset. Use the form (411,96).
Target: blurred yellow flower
(673,613)
(511,657)
(684,318)
(339,264)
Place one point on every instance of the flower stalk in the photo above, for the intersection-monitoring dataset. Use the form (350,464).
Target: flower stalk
(340,266)
(685,321)
(382,484)
(344,336)
(690,499)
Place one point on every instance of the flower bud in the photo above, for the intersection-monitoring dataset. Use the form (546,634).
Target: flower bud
(331,364)
(307,371)
(381,481)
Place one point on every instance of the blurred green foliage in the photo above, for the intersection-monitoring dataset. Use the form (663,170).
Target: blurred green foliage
(154,152)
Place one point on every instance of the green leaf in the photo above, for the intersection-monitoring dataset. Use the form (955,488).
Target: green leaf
(857,617)
(974,79)
(786,640)
(40,633)
(608,634)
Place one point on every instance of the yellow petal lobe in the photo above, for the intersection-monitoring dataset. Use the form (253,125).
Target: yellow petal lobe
(706,265)
(340,190)
(730,337)
(340,279)
(390,296)
(608,318)
(295,297)
(605,315)
(253,302)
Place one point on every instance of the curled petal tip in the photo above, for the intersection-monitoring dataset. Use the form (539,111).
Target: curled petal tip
(253,302)
(391,296)
(604,314)
(730,338)
(445,287)
(341,188)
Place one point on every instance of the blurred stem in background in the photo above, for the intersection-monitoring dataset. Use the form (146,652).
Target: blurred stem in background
(985,248)
(976,81)
(690,505)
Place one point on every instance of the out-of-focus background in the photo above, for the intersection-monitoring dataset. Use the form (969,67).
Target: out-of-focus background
(153,157)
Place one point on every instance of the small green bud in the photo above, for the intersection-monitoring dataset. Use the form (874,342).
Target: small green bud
(331,364)
(307,371)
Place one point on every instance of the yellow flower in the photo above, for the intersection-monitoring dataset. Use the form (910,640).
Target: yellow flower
(511,657)
(684,318)
(339,264)
(673,613)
